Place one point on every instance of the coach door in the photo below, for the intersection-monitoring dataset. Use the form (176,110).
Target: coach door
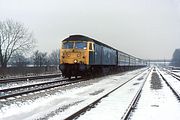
(91,53)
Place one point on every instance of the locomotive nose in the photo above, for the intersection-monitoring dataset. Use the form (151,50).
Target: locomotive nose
(73,56)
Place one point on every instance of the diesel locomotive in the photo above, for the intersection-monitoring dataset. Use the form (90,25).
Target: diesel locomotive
(81,56)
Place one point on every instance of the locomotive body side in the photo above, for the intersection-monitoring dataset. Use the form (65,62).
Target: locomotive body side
(104,55)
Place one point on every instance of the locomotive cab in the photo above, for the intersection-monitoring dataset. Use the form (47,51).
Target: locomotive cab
(74,57)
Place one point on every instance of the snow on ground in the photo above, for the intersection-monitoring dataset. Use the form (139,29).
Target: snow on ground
(172,81)
(64,102)
(28,82)
(157,102)
(177,72)
(114,106)
(29,75)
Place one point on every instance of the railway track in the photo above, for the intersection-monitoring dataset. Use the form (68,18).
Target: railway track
(157,100)
(76,98)
(174,75)
(25,89)
(16,91)
(28,78)
(94,103)
(134,101)
(169,84)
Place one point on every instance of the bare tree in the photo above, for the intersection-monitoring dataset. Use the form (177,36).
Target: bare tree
(40,59)
(54,57)
(18,60)
(14,37)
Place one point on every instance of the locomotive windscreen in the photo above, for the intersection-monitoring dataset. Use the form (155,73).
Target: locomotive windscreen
(76,45)
(81,45)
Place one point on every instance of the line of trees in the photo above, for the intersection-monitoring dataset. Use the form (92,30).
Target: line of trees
(16,41)
(43,59)
(38,59)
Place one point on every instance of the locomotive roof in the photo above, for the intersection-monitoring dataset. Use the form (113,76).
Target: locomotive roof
(85,38)
(78,37)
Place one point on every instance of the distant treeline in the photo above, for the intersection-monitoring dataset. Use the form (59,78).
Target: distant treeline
(176,58)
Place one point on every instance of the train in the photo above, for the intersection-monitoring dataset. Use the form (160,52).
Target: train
(82,56)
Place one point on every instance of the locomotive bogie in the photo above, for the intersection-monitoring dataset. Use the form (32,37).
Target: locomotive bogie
(69,70)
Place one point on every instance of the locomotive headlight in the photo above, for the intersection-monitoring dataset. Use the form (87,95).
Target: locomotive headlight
(78,55)
(75,61)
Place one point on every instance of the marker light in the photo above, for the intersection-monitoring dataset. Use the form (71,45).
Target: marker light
(78,55)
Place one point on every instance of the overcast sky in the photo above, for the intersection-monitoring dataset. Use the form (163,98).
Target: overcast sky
(147,29)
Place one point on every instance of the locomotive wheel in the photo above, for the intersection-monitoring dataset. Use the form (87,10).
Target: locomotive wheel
(69,77)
